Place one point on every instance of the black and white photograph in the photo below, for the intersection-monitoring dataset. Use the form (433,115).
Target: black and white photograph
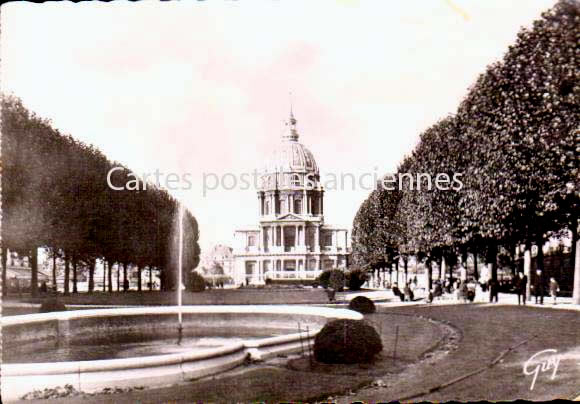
(272,201)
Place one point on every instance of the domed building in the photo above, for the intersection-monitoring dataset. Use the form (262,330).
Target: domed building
(291,240)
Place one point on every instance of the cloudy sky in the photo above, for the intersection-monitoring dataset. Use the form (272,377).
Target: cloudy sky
(203,87)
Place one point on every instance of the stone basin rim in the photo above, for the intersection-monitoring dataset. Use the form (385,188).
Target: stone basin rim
(65,367)
(192,309)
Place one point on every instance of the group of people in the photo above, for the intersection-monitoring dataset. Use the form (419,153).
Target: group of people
(463,290)
(466,290)
(407,293)
(538,288)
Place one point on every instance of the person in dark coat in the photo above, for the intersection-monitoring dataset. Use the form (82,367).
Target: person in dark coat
(43,287)
(493,290)
(539,287)
(397,292)
(521,285)
(437,290)
(408,292)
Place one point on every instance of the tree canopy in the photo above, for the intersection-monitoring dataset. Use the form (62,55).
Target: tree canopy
(55,195)
(515,138)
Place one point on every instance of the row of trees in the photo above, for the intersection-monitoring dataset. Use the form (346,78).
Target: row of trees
(515,138)
(55,196)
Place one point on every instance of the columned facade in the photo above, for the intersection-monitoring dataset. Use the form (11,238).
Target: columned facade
(291,240)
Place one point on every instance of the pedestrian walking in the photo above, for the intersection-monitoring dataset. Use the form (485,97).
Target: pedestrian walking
(521,285)
(554,289)
(493,290)
(539,287)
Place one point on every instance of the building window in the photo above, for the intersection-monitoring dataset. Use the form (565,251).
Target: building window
(251,241)
(290,265)
(328,239)
(283,204)
(298,206)
(295,180)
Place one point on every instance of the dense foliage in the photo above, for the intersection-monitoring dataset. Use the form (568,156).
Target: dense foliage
(362,304)
(347,341)
(355,278)
(515,138)
(195,282)
(55,195)
(333,278)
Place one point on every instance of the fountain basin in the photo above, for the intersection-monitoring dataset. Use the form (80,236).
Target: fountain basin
(157,370)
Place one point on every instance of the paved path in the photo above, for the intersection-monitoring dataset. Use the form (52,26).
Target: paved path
(488,332)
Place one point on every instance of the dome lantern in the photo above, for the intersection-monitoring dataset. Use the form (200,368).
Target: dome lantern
(290,156)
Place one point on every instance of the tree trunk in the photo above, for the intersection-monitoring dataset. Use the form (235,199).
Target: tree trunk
(450,270)
(540,255)
(405,268)
(118,277)
(439,268)
(576,255)
(104,275)
(75,264)
(397,271)
(528,269)
(4,265)
(125,282)
(150,278)
(34,272)
(492,261)
(92,275)
(443,269)
(66,274)
(110,276)
(429,269)
(475,271)
(54,286)
(513,257)
(139,278)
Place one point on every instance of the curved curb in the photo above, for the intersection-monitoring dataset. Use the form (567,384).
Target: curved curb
(90,376)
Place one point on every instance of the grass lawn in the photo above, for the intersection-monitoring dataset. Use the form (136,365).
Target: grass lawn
(296,382)
(480,333)
(486,331)
(213,296)
(270,385)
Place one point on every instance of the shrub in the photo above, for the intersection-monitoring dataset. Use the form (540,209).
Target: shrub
(52,304)
(323,279)
(195,282)
(356,278)
(336,280)
(362,304)
(347,341)
(332,278)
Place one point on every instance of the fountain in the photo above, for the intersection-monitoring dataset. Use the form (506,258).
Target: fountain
(81,347)
(180,277)
(37,332)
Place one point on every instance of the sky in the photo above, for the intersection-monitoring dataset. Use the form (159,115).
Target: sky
(203,88)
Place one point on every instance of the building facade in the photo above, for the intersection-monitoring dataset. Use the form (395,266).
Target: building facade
(291,240)
(217,264)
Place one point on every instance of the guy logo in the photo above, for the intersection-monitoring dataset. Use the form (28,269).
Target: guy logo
(540,362)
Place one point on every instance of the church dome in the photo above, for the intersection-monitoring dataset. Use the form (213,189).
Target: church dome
(291,156)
